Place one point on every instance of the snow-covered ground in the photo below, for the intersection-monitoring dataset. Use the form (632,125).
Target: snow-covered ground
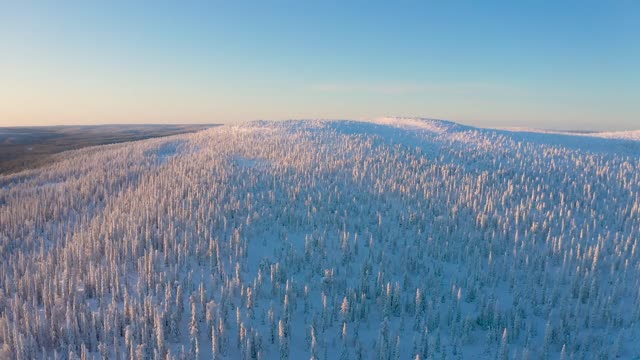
(624,135)
(388,239)
(633,135)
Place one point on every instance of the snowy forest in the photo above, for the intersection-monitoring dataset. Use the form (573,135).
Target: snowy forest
(312,239)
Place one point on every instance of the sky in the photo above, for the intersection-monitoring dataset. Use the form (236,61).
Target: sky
(545,64)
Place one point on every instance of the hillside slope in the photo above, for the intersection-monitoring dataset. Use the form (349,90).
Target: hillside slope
(392,239)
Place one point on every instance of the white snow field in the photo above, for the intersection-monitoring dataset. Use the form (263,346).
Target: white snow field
(390,239)
(622,135)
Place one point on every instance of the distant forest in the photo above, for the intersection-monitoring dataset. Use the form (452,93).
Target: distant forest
(29,147)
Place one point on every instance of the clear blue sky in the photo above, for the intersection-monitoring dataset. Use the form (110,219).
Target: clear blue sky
(550,64)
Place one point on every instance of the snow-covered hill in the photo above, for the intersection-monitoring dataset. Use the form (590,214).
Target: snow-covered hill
(633,135)
(390,239)
(624,135)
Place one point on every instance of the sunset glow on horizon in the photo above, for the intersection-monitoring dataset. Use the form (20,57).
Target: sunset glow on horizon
(559,65)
